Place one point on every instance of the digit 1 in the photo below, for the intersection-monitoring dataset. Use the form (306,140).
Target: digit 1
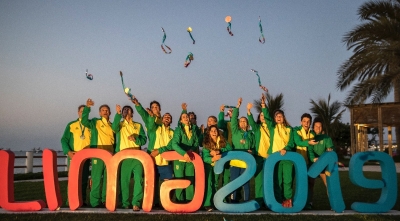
(244,207)
(301,191)
(388,184)
(328,162)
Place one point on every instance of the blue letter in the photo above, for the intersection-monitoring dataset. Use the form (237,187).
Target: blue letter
(328,163)
(300,198)
(388,184)
(244,207)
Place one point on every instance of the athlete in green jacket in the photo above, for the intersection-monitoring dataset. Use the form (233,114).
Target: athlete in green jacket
(281,135)
(185,139)
(76,137)
(323,143)
(130,135)
(159,133)
(262,142)
(213,146)
(303,138)
(243,140)
(102,137)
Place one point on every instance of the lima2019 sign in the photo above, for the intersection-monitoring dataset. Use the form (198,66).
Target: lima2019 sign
(327,162)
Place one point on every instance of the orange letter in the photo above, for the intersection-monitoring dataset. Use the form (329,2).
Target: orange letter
(113,180)
(7,191)
(169,185)
(112,164)
(50,175)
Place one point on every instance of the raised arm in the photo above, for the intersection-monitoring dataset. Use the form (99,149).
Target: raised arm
(252,123)
(85,115)
(234,119)
(221,118)
(117,119)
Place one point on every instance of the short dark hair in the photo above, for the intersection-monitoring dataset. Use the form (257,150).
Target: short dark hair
(307,115)
(318,120)
(195,117)
(80,106)
(129,107)
(155,102)
(169,115)
(105,105)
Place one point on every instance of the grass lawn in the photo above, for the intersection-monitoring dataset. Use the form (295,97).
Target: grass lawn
(25,191)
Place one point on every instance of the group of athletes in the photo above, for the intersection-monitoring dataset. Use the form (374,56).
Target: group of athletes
(268,134)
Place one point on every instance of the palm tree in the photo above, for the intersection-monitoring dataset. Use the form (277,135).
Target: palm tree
(272,103)
(329,113)
(374,68)
(373,71)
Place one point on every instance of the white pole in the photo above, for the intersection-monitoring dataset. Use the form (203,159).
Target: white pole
(66,163)
(29,162)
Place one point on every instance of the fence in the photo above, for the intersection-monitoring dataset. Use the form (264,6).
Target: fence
(29,162)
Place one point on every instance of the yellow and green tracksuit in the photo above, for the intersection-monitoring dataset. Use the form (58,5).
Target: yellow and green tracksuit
(146,117)
(324,142)
(225,125)
(314,151)
(184,139)
(71,141)
(262,142)
(242,141)
(123,130)
(301,138)
(210,176)
(281,138)
(159,137)
(102,137)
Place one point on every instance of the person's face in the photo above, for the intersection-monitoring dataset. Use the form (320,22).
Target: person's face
(211,121)
(80,111)
(305,123)
(214,133)
(126,112)
(318,128)
(192,119)
(262,119)
(104,112)
(279,118)
(185,119)
(166,119)
(155,109)
(243,123)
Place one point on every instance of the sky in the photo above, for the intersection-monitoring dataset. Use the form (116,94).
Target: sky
(46,47)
